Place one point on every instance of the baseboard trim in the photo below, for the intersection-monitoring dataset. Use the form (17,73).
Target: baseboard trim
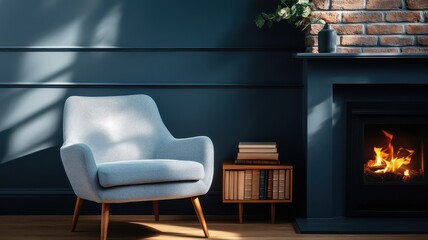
(35,191)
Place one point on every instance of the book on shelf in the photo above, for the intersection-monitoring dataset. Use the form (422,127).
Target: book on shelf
(226,190)
(256,162)
(281,184)
(275,186)
(258,156)
(263,183)
(241,184)
(247,184)
(287,183)
(235,185)
(257,184)
(269,188)
(255,188)
(230,187)
(256,145)
(258,150)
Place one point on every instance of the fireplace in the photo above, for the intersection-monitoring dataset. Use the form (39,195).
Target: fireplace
(385,156)
(384,163)
(354,103)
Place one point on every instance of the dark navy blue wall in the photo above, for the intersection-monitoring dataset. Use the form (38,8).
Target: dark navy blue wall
(211,71)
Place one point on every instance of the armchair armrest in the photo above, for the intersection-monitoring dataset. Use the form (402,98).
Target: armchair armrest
(81,170)
(200,149)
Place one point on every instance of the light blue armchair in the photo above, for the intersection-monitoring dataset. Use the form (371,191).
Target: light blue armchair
(117,149)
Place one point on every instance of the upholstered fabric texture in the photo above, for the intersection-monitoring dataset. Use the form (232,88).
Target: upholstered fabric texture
(112,174)
(117,149)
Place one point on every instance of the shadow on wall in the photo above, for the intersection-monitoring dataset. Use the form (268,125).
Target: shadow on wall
(31,117)
(190,43)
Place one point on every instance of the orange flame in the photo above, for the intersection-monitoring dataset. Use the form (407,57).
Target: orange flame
(387,160)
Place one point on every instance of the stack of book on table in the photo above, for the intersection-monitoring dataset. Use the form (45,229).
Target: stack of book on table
(257,153)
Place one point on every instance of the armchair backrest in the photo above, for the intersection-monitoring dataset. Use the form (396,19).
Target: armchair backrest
(115,128)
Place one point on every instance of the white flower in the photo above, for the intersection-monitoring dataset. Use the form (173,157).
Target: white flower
(285,13)
(306,12)
(281,12)
(303,2)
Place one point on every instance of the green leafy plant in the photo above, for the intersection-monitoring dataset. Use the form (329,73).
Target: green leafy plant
(293,11)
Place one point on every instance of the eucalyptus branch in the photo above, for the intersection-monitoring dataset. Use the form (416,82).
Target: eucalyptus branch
(299,13)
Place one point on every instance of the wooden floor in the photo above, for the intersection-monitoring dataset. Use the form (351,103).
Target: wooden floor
(169,227)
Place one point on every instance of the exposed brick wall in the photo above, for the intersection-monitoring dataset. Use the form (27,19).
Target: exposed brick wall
(373,26)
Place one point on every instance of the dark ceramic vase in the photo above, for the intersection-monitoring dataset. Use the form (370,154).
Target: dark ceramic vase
(327,40)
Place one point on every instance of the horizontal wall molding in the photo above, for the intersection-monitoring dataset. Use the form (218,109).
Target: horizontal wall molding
(139,49)
(212,68)
(149,85)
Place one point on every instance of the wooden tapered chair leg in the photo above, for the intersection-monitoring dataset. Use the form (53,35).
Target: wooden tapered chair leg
(200,214)
(156,210)
(105,214)
(76,214)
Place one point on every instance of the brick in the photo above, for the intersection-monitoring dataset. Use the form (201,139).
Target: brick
(423,40)
(361,17)
(396,40)
(381,50)
(385,29)
(321,4)
(347,4)
(329,17)
(358,40)
(314,29)
(417,28)
(348,50)
(383,4)
(312,50)
(417,4)
(415,50)
(348,29)
(426,16)
(404,16)
(311,41)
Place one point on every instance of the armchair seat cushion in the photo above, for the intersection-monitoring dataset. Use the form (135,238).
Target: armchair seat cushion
(148,171)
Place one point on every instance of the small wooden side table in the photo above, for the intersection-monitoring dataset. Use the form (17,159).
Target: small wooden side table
(236,185)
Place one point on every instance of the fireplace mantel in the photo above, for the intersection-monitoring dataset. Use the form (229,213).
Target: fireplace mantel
(325,125)
(360,55)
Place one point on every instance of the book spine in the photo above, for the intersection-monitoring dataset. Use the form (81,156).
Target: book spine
(263,181)
(235,185)
(281,186)
(258,156)
(247,183)
(258,150)
(232,185)
(256,162)
(241,185)
(269,190)
(275,184)
(255,188)
(226,185)
(257,145)
(287,184)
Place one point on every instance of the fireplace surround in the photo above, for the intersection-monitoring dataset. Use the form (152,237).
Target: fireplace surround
(386,140)
(331,84)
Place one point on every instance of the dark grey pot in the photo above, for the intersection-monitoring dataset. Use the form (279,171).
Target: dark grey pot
(327,40)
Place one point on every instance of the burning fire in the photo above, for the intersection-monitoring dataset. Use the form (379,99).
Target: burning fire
(387,161)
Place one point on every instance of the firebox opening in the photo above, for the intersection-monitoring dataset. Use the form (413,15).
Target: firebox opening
(385,168)
(393,154)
